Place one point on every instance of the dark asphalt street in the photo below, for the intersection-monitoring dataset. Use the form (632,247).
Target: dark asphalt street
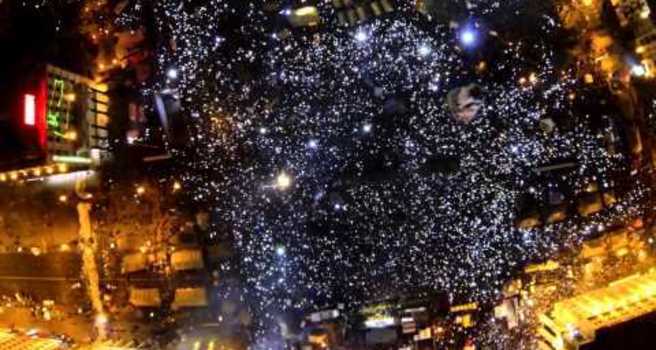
(48,276)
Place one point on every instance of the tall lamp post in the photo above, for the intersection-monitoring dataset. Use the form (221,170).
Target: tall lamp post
(88,244)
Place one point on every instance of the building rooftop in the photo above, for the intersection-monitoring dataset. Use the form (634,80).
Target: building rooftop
(578,319)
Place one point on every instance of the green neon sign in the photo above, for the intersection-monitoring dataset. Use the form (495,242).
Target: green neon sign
(53,117)
(59,85)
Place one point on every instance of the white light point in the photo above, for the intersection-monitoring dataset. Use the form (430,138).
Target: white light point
(424,50)
(280,250)
(101,320)
(283,181)
(172,73)
(638,70)
(361,36)
(468,37)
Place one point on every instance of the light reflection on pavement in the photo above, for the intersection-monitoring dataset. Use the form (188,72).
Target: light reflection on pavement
(13,341)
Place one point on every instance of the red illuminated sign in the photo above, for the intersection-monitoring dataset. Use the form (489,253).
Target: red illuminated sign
(30,110)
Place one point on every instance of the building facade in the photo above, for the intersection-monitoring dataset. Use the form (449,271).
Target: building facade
(60,120)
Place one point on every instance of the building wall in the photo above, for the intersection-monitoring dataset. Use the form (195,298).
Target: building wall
(76,115)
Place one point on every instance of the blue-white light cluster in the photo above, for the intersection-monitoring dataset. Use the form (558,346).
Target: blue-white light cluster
(334,160)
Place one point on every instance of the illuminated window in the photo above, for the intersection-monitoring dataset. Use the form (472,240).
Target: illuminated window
(30,109)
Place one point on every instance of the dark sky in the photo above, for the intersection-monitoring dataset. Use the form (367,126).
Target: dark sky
(30,37)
